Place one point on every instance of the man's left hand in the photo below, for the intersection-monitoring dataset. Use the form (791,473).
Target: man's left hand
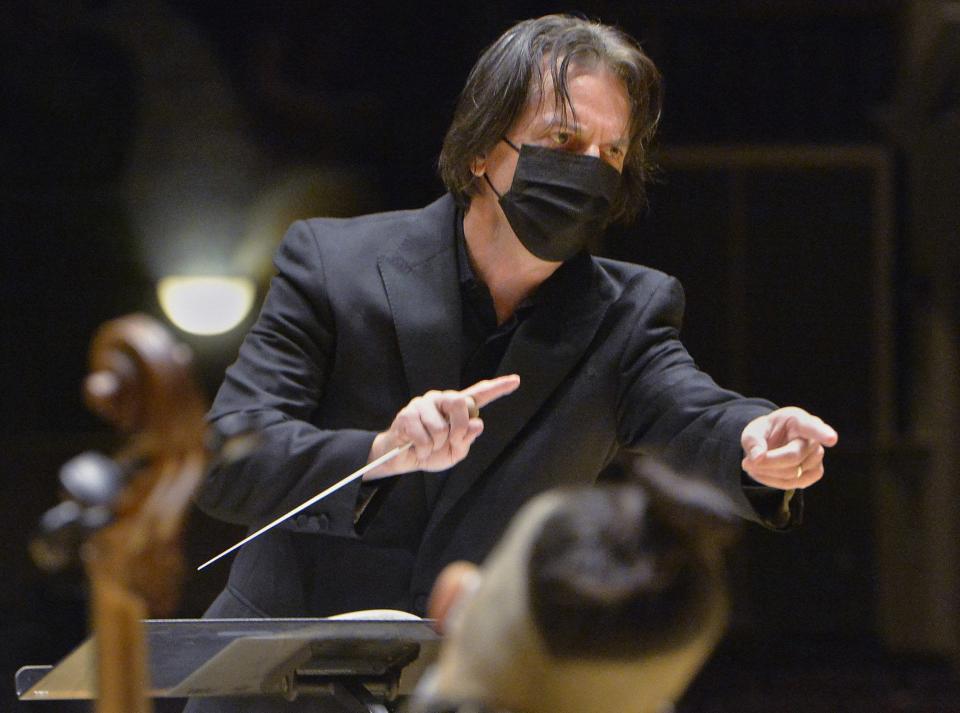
(784,449)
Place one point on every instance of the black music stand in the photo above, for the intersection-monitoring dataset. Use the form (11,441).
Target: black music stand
(356,665)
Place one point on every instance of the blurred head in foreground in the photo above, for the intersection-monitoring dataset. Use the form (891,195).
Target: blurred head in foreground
(597,600)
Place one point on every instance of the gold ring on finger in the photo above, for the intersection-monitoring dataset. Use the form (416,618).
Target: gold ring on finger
(472,409)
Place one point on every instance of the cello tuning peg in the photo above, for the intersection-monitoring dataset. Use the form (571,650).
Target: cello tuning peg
(56,545)
(63,529)
(92,478)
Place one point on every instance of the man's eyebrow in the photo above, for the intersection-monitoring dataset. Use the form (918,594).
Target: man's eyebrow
(555,121)
(552,121)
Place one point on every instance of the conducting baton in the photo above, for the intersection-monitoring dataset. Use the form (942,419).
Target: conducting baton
(388,456)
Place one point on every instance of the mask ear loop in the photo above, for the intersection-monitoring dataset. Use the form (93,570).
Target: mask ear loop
(487,178)
(489,183)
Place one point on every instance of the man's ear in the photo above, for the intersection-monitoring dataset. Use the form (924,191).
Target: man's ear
(453,587)
(478,166)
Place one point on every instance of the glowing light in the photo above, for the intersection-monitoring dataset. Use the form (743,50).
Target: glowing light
(206,304)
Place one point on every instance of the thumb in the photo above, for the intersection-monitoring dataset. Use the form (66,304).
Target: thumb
(754,439)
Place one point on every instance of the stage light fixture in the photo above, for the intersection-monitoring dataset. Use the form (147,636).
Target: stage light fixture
(206,304)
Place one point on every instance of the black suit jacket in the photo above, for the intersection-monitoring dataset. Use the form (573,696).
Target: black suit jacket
(363,315)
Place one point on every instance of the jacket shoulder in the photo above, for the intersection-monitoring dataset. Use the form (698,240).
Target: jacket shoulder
(382,228)
(630,277)
(622,271)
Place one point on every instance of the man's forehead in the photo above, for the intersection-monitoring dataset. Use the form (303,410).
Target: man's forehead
(547,111)
(544,100)
(543,82)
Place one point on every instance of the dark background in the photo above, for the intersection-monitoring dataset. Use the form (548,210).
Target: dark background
(806,200)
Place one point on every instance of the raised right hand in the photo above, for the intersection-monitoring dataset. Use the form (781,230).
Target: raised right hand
(441,425)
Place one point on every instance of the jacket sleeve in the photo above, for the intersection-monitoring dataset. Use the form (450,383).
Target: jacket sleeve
(274,388)
(673,411)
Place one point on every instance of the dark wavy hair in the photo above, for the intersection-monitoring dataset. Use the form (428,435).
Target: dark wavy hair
(629,569)
(510,72)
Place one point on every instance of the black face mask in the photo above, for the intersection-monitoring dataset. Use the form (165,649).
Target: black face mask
(558,200)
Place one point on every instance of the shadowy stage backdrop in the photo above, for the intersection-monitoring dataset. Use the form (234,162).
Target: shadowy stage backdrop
(149,138)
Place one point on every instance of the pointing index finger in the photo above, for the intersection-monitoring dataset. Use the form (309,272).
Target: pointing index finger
(489,390)
(814,429)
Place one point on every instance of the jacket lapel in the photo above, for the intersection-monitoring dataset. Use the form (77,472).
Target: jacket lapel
(544,349)
(419,275)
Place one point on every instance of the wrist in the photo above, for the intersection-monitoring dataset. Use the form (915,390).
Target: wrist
(382,443)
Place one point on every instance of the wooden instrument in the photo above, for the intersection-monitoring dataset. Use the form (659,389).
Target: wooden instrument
(130,508)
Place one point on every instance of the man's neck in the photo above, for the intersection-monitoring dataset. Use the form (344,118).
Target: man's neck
(508,270)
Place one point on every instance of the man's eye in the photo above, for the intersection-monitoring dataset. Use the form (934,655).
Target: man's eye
(562,138)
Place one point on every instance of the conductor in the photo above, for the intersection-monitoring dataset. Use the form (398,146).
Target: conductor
(396,328)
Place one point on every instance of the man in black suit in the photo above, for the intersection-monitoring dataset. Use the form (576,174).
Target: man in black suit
(394,328)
